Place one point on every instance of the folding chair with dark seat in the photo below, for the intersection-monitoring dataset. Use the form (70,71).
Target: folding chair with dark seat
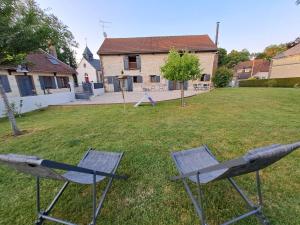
(93,168)
(201,167)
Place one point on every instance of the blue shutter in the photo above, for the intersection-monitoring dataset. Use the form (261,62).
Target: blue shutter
(59,82)
(171,85)
(129,83)
(126,63)
(138,62)
(185,85)
(157,78)
(139,79)
(5,83)
(41,78)
(53,84)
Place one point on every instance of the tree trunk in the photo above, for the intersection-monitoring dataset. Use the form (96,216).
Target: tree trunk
(182,93)
(10,113)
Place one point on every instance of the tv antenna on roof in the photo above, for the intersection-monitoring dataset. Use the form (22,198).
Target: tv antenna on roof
(103,24)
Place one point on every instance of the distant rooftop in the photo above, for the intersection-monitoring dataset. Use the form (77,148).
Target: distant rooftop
(88,55)
(290,52)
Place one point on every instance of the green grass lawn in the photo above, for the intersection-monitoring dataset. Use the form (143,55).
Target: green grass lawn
(229,121)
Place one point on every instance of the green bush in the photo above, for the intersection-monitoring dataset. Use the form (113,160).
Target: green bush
(222,77)
(276,82)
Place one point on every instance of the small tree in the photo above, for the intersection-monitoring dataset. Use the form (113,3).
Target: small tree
(181,67)
(222,77)
(10,112)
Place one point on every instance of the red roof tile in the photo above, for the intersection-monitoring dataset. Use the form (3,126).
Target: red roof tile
(163,44)
(39,62)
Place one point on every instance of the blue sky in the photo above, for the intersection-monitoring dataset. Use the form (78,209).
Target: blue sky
(251,24)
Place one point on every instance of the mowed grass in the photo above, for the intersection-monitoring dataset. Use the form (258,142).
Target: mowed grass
(229,121)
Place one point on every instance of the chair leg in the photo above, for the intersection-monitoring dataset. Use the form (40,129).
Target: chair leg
(260,215)
(94,199)
(263,220)
(39,221)
(96,210)
(197,205)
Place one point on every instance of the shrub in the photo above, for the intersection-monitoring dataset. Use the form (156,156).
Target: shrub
(222,77)
(276,82)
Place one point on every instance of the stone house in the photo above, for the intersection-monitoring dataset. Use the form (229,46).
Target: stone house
(286,64)
(140,60)
(44,81)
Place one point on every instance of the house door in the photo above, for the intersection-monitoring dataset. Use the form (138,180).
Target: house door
(26,86)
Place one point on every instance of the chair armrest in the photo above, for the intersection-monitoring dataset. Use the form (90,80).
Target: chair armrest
(67,167)
(225,165)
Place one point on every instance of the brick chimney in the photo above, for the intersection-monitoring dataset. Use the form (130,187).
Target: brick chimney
(52,49)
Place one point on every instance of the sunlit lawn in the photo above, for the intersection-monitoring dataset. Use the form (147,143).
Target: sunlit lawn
(229,121)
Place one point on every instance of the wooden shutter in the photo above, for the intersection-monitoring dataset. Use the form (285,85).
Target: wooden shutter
(53,84)
(59,82)
(138,62)
(126,63)
(171,85)
(129,83)
(157,79)
(185,85)
(139,79)
(42,82)
(5,83)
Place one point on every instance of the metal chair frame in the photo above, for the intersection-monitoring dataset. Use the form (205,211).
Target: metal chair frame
(198,204)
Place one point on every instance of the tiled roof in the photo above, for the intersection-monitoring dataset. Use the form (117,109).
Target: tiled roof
(260,65)
(163,44)
(95,63)
(290,52)
(39,62)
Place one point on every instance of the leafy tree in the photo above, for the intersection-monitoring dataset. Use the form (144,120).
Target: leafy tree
(181,67)
(25,27)
(222,55)
(222,77)
(271,51)
(234,57)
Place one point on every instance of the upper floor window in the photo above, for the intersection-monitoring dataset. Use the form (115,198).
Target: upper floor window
(132,62)
(84,65)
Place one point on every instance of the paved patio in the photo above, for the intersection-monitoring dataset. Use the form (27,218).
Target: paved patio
(132,97)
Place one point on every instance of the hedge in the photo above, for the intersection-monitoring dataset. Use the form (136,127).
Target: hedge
(276,82)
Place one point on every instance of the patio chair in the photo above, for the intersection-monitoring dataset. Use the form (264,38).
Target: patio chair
(200,166)
(94,167)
